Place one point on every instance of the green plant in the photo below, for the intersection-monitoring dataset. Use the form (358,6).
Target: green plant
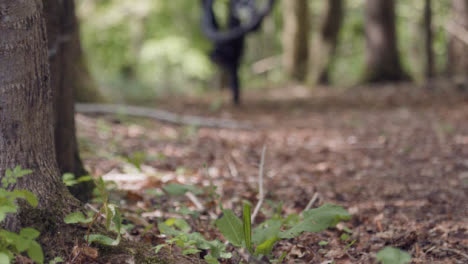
(390,255)
(70,180)
(259,241)
(110,212)
(262,240)
(11,243)
(191,242)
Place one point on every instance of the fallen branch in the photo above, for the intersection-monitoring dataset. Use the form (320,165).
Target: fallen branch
(260,186)
(160,115)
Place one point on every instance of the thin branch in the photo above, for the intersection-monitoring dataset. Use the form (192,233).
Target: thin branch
(260,185)
(312,201)
(160,115)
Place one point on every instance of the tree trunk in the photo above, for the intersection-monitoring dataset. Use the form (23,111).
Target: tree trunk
(330,31)
(457,65)
(296,38)
(26,111)
(428,39)
(64,54)
(383,59)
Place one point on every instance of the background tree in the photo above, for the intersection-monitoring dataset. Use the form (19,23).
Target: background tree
(296,38)
(428,39)
(330,31)
(382,57)
(67,70)
(457,48)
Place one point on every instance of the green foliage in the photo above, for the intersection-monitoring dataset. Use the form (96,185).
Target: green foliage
(390,255)
(11,176)
(179,189)
(70,180)
(11,243)
(316,220)
(268,233)
(56,260)
(247,226)
(191,242)
(231,227)
(110,212)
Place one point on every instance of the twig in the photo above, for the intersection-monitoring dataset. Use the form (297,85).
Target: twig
(456,252)
(160,115)
(195,201)
(260,185)
(312,201)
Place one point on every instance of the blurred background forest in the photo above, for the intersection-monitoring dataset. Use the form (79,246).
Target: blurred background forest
(141,50)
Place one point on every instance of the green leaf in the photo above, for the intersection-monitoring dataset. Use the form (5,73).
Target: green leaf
(323,243)
(158,248)
(231,227)
(77,217)
(190,251)
(344,237)
(390,255)
(6,209)
(167,230)
(56,260)
(69,179)
(19,172)
(179,189)
(181,224)
(35,252)
(22,244)
(316,220)
(30,197)
(266,247)
(29,233)
(104,240)
(266,231)
(247,227)
(4,258)
(117,219)
(211,260)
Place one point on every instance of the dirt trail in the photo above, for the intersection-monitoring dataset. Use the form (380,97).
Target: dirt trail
(398,161)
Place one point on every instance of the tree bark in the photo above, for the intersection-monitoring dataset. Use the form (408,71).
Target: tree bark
(64,58)
(383,59)
(457,66)
(296,38)
(330,31)
(428,39)
(26,109)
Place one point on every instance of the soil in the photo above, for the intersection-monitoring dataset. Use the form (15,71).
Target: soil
(396,157)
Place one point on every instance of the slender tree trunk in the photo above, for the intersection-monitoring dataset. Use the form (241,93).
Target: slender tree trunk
(383,59)
(26,111)
(296,38)
(64,54)
(428,39)
(330,31)
(457,66)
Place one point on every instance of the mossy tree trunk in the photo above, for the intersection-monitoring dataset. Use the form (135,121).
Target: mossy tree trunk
(64,55)
(330,31)
(26,111)
(457,66)
(296,38)
(382,58)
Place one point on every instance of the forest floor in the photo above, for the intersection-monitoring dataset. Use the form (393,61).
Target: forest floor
(395,157)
